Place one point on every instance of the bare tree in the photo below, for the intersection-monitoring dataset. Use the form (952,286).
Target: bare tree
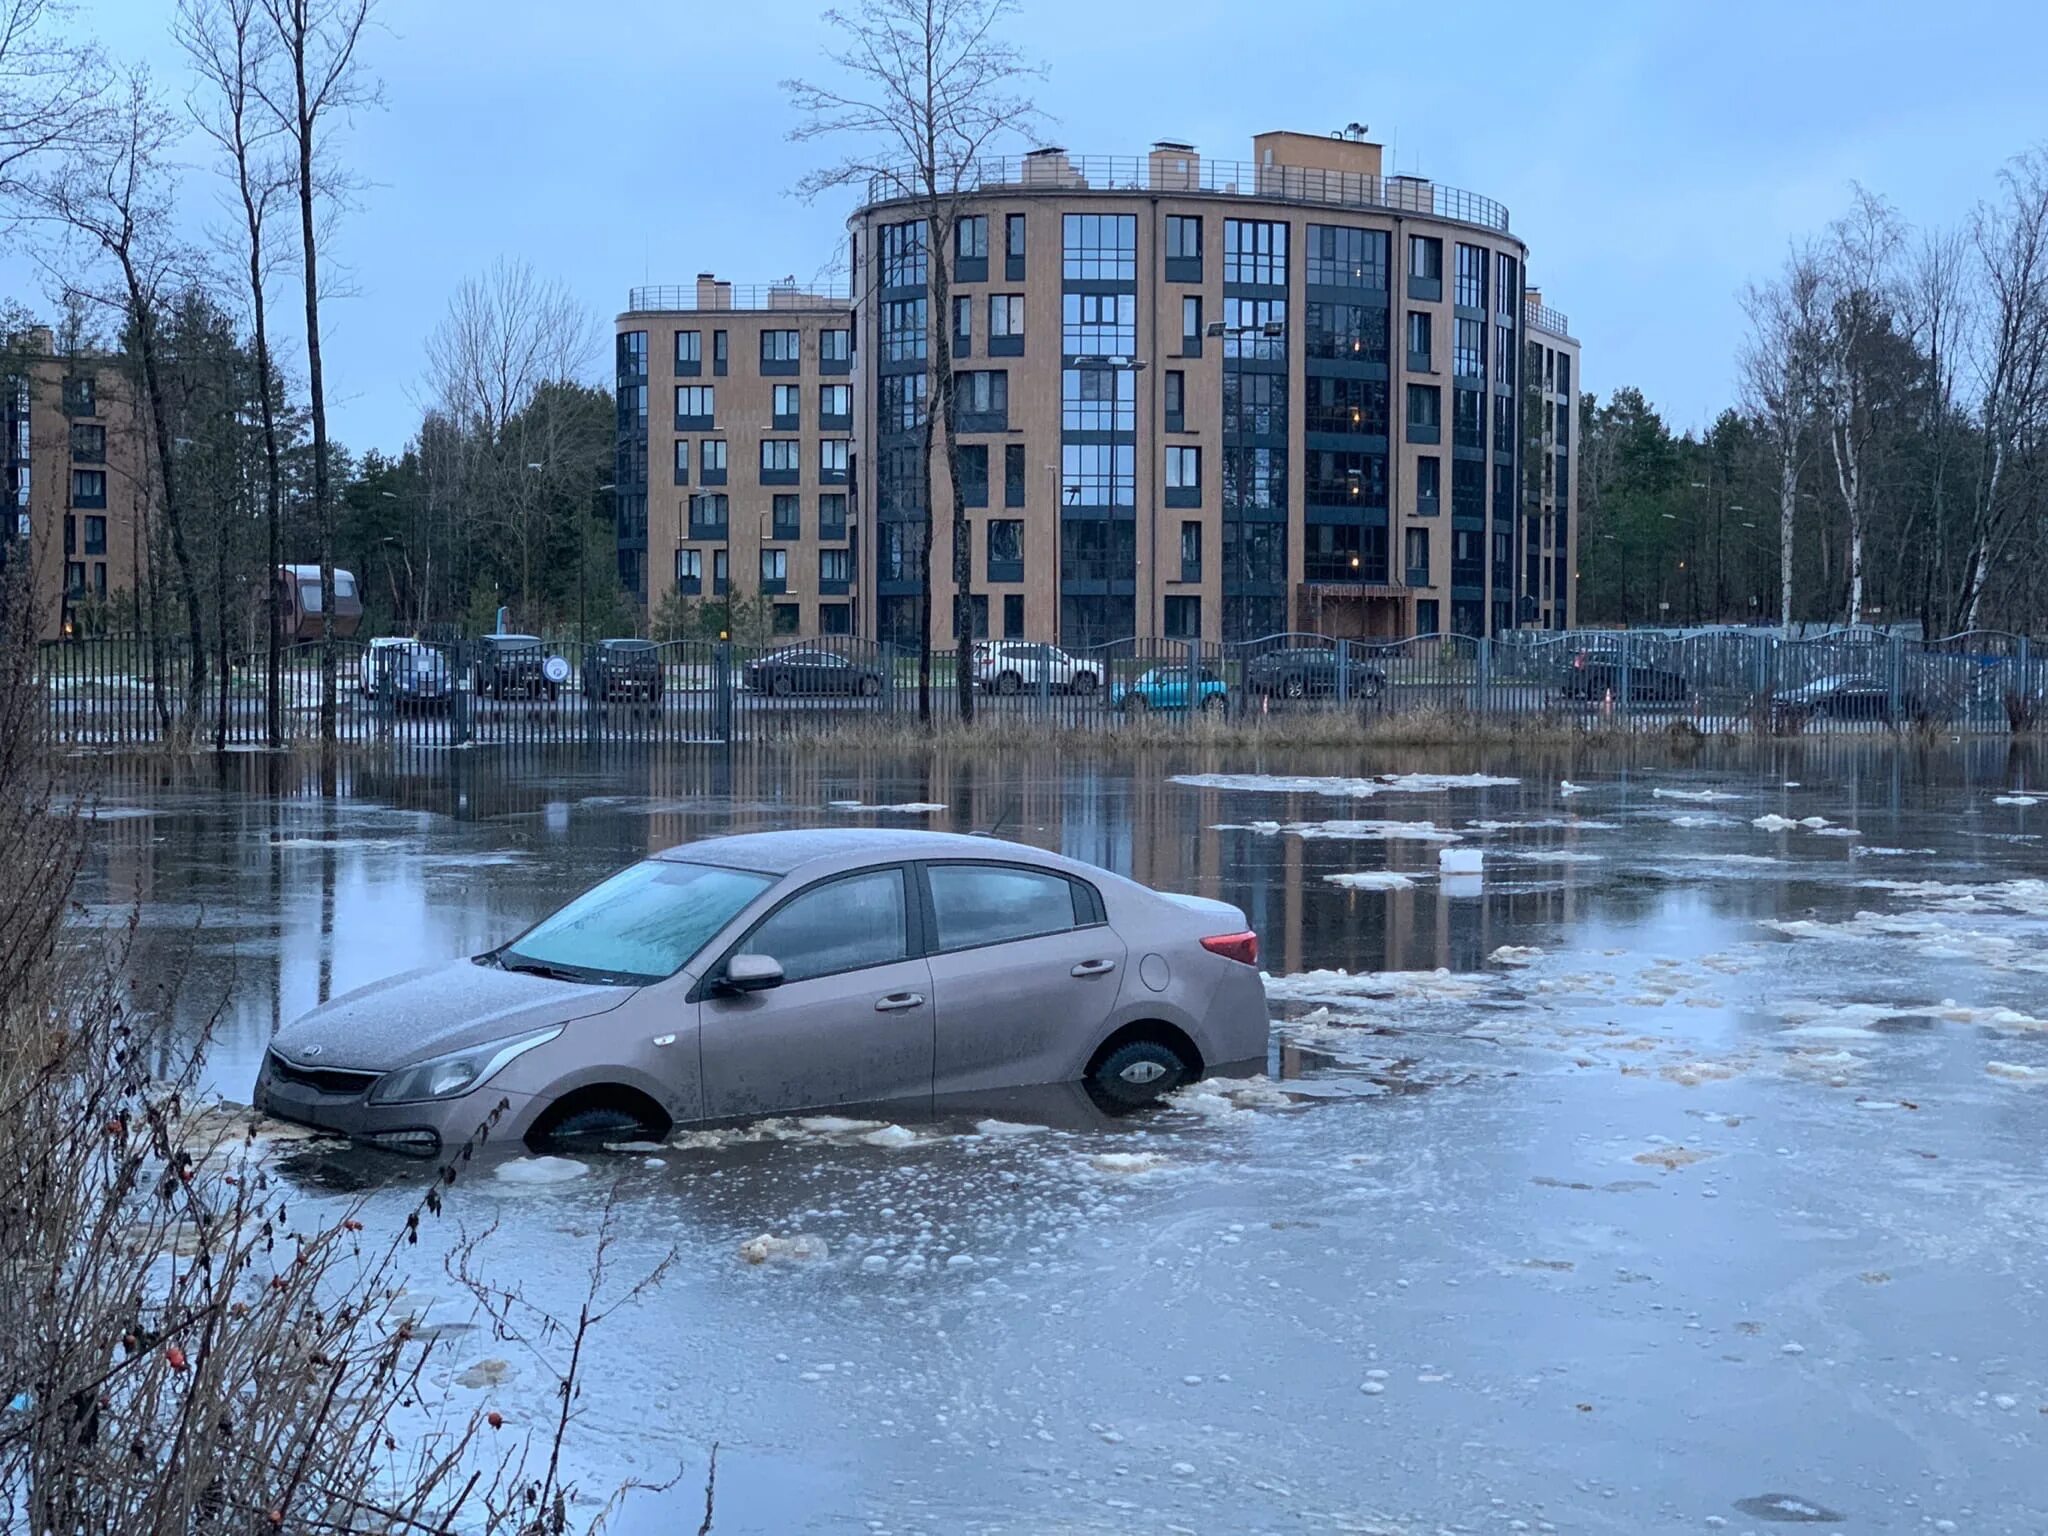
(115,197)
(1778,361)
(49,90)
(230,48)
(1860,298)
(1939,308)
(2011,242)
(321,76)
(929,88)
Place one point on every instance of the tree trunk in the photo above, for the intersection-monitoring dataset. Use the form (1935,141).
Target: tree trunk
(316,390)
(940,223)
(273,482)
(1788,517)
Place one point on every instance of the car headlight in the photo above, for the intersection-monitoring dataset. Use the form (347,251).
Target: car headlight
(443,1077)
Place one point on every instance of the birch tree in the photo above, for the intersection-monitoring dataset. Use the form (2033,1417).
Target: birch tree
(927,88)
(319,76)
(2010,239)
(1778,361)
(230,48)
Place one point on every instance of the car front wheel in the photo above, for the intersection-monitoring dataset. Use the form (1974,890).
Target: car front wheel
(1136,704)
(1214,704)
(1084,682)
(1008,683)
(1140,1071)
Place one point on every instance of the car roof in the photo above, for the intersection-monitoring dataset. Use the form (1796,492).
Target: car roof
(784,853)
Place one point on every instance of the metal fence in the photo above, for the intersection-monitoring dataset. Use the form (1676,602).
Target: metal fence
(117,693)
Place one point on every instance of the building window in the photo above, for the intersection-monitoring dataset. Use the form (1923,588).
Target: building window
(970,238)
(781,346)
(973,461)
(696,406)
(632,355)
(1415,557)
(1468,489)
(1191,326)
(1352,333)
(903,398)
(902,553)
(88,443)
(835,619)
(835,566)
(1013,615)
(1101,324)
(1006,549)
(1013,236)
(1471,290)
(709,513)
(74,578)
(1468,424)
(1420,342)
(88,487)
(1183,238)
(1176,400)
(1014,476)
(832,515)
(1334,479)
(711,456)
(963,324)
(1561,433)
(787,406)
(835,403)
(1099,474)
(1504,356)
(682,461)
(903,255)
(95,535)
(1190,551)
(1099,245)
(1255,328)
(787,519)
(774,570)
(903,331)
(70,534)
(81,395)
(1097,400)
(786,618)
(1426,258)
(719,352)
(1255,251)
(689,350)
(1426,621)
(689,569)
(779,455)
(1425,410)
(1347,405)
(981,400)
(1564,373)
(1005,315)
(835,346)
(833,457)
(1468,354)
(1339,257)
(1504,287)
(1183,617)
(1429,485)
(1184,471)
(1504,424)
(1255,479)
(1255,404)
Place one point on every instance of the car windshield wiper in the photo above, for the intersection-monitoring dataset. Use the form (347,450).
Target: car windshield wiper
(567,972)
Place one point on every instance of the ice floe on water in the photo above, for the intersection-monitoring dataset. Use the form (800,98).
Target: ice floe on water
(1868,851)
(1547,856)
(1516,954)
(798,1248)
(1711,819)
(1372,880)
(2014,1072)
(1349,831)
(2015,800)
(1341,788)
(1545,824)
(907,808)
(541,1171)
(1335,986)
(1567,787)
(1701,795)
(1772,822)
(1129,1164)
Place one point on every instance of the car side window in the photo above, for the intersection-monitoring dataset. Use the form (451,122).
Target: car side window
(979,904)
(842,925)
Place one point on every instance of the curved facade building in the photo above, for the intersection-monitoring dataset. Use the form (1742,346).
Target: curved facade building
(1195,400)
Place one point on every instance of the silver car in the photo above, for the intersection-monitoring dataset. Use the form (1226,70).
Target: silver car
(781,971)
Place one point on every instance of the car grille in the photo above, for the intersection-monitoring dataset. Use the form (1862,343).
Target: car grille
(338,1081)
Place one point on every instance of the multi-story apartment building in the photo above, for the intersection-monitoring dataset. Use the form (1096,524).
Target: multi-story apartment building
(735,451)
(71,461)
(1194,399)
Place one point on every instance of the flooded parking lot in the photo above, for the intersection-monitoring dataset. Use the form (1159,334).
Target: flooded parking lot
(1681,1170)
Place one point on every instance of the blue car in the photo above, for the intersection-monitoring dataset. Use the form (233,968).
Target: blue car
(1172,688)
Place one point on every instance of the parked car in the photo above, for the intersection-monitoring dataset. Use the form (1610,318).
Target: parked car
(623,669)
(366,670)
(800,670)
(1311,672)
(1172,688)
(781,971)
(408,674)
(1843,696)
(1015,666)
(514,666)
(1595,675)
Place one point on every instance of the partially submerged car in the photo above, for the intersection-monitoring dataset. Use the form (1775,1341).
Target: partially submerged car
(781,971)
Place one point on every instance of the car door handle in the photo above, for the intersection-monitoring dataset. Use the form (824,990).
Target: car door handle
(1094,968)
(899,1002)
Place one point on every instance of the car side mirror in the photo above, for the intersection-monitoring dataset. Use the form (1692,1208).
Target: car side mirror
(751,973)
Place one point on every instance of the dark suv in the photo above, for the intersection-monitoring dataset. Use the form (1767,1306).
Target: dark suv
(1594,675)
(1309,672)
(622,669)
(512,666)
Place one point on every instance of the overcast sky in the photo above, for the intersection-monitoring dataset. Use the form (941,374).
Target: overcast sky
(1655,154)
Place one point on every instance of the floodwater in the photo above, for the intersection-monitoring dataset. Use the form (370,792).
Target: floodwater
(1684,1171)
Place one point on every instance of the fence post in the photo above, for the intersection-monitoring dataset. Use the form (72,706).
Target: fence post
(1482,675)
(1897,646)
(1621,705)
(461,727)
(722,682)
(1343,671)
(2025,687)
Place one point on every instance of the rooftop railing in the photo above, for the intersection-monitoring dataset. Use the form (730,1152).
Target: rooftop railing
(1541,317)
(1057,171)
(716,296)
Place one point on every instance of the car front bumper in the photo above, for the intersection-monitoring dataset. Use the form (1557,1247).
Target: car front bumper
(425,1127)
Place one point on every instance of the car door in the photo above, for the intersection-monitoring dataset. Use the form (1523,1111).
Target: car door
(851,1022)
(1024,972)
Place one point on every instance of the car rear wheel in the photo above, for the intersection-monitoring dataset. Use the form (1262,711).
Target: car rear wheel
(1140,1071)
(1136,704)
(781,686)
(870,687)
(1008,682)
(1214,704)
(1084,682)
(1294,688)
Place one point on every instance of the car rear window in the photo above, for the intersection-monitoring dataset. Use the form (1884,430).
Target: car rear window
(978,904)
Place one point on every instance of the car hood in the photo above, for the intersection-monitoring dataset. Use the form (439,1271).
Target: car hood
(417,1014)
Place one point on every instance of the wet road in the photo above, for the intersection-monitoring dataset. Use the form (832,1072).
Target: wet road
(1683,1173)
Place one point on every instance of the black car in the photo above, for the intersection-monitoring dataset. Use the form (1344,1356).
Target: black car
(785,673)
(1310,672)
(513,666)
(1595,675)
(623,669)
(1846,696)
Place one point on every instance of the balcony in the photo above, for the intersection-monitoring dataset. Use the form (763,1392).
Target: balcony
(1541,317)
(710,294)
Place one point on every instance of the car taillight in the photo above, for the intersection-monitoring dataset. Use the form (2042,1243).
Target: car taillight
(1241,947)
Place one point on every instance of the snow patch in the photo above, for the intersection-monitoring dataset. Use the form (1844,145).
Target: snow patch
(1341,788)
(1372,880)
(907,808)
(1700,795)
(1355,831)
(1516,954)
(2013,1072)
(538,1171)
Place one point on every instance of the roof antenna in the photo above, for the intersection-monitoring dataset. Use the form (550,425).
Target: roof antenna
(1002,821)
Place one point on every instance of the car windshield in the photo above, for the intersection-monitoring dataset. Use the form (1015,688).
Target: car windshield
(640,926)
